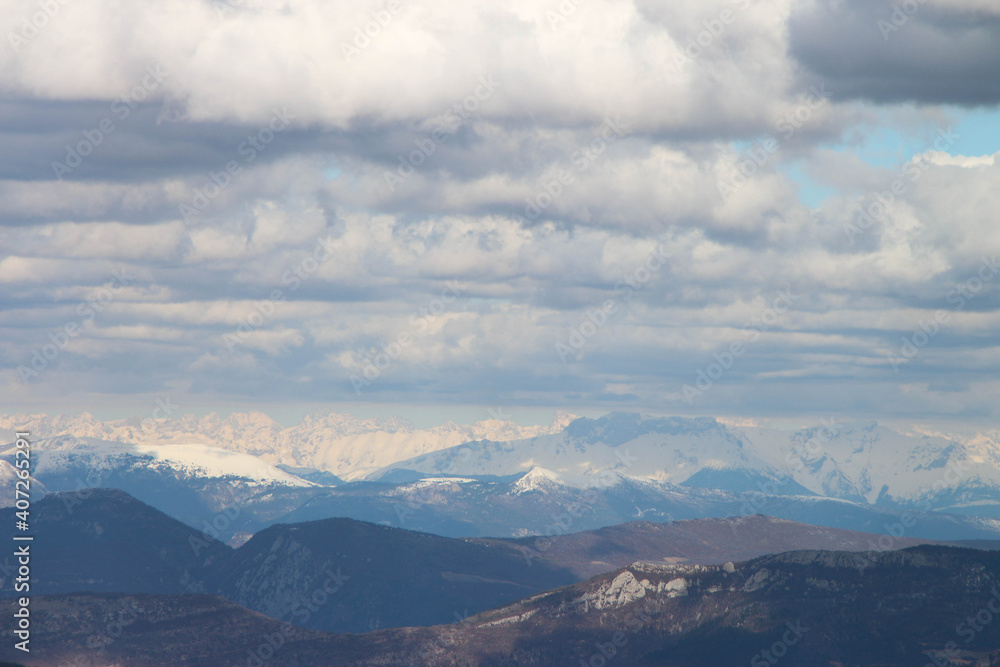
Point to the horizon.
(417, 418)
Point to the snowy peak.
(347, 446)
(874, 463)
(859, 462)
(667, 450)
(537, 480)
(863, 462)
(57, 455)
(205, 461)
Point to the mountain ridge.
(325, 440)
(911, 607)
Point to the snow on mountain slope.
(866, 463)
(207, 461)
(347, 446)
(874, 463)
(984, 446)
(362, 451)
(667, 450)
(537, 480)
(8, 485)
(53, 456)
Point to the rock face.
(626, 588)
(621, 590)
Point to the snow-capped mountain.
(668, 450)
(538, 480)
(346, 446)
(867, 463)
(878, 465)
(57, 456)
(617, 468)
(225, 493)
(542, 502)
(230, 496)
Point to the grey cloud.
(895, 51)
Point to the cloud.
(479, 184)
(891, 52)
(610, 56)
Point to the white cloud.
(607, 56)
(527, 281)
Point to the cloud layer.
(551, 204)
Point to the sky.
(767, 208)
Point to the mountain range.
(233, 495)
(341, 444)
(863, 463)
(859, 462)
(925, 605)
(104, 540)
(540, 502)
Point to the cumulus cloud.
(492, 204)
(317, 59)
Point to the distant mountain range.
(341, 444)
(863, 463)
(804, 608)
(232, 496)
(541, 503)
(589, 474)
